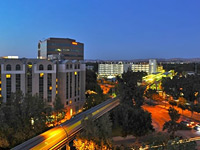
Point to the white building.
(106, 69)
(152, 66)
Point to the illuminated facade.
(45, 78)
(63, 48)
(152, 66)
(139, 67)
(106, 69)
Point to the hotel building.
(47, 78)
(65, 48)
(106, 69)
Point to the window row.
(18, 67)
(69, 66)
(9, 68)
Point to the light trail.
(56, 136)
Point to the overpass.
(59, 137)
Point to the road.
(160, 116)
(55, 137)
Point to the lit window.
(41, 74)
(50, 88)
(56, 80)
(70, 101)
(71, 112)
(74, 43)
(0, 95)
(0, 89)
(75, 73)
(56, 86)
(0, 82)
(29, 65)
(56, 92)
(8, 76)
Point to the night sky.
(110, 29)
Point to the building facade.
(64, 48)
(139, 67)
(45, 78)
(153, 67)
(106, 69)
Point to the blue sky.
(110, 29)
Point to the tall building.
(63, 48)
(152, 66)
(46, 78)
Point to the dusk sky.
(110, 29)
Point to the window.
(67, 84)
(49, 85)
(8, 88)
(70, 85)
(18, 67)
(41, 67)
(66, 102)
(78, 76)
(70, 66)
(29, 78)
(8, 67)
(49, 67)
(18, 82)
(41, 86)
(67, 66)
(75, 82)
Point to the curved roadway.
(58, 136)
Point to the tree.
(91, 80)
(129, 91)
(136, 122)
(172, 126)
(172, 86)
(1, 101)
(173, 103)
(96, 134)
(129, 115)
(149, 93)
(58, 109)
(21, 118)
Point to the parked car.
(198, 124)
(197, 128)
(186, 123)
